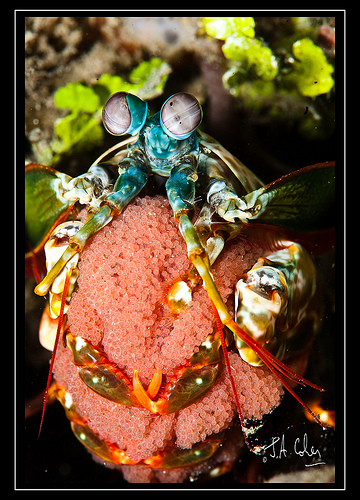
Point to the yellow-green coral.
(311, 72)
(284, 78)
(77, 97)
(223, 27)
(252, 57)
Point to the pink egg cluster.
(126, 271)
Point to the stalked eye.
(124, 113)
(180, 115)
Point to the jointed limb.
(132, 179)
(181, 193)
(221, 194)
(180, 188)
(196, 256)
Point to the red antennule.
(274, 365)
(58, 331)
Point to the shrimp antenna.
(274, 365)
(228, 368)
(277, 367)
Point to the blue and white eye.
(124, 113)
(180, 115)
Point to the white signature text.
(301, 447)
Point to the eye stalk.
(124, 113)
(180, 115)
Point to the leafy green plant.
(223, 27)
(287, 77)
(251, 60)
(249, 57)
(81, 128)
(311, 73)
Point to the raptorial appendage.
(276, 303)
(132, 179)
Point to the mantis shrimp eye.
(124, 113)
(180, 115)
